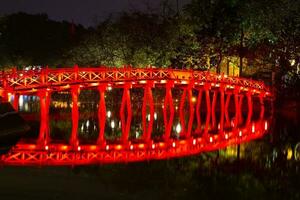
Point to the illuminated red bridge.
(218, 94)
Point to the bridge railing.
(28, 79)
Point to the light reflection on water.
(283, 135)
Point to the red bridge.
(212, 88)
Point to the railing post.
(75, 116)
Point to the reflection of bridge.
(209, 88)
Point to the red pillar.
(188, 90)
(168, 102)
(191, 109)
(198, 107)
(213, 110)
(3, 95)
(237, 108)
(16, 102)
(125, 120)
(4, 91)
(208, 109)
(44, 135)
(226, 109)
(148, 100)
(250, 110)
(262, 105)
(240, 119)
(75, 116)
(181, 112)
(222, 111)
(101, 115)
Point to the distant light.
(137, 134)
(253, 128)
(107, 147)
(194, 99)
(240, 133)
(184, 82)
(87, 123)
(226, 136)
(153, 146)
(131, 147)
(266, 125)
(108, 114)
(178, 128)
(46, 147)
(109, 88)
(148, 117)
(173, 144)
(112, 124)
(293, 61)
(155, 116)
(21, 101)
(78, 148)
(194, 141)
(210, 139)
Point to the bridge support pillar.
(213, 110)
(16, 102)
(125, 120)
(208, 109)
(101, 115)
(227, 101)
(168, 120)
(250, 107)
(148, 99)
(186, 131)
(44, 135)
(262, 105)
(222, 111)
(198, 114)
(75, 116)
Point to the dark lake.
(267, 167)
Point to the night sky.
(85, 12)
